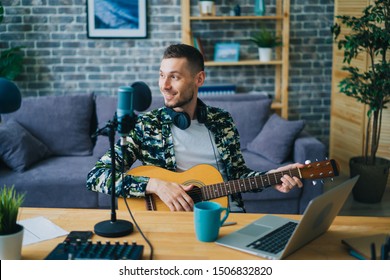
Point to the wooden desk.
(172, 234)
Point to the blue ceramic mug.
(207, 220)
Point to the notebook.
(316, 220)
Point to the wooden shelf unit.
(282, 22)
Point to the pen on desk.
(355, 254)
(373, 251)
(229, 224)
(384, 252)
(388, 247)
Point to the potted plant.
(266, 41)
(207, 8)
(369, 35)
(11, 233)
(11, 60)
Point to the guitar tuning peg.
(307, 161)
(332, 179)
(317, 159)
(314, 183)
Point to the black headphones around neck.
(183, 121)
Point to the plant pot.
(372, 181)
(265, 54)
(11, 245)
(207, 8)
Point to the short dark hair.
(193, 55)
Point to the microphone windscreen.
(10, 97)
(125, 101)
(142, 96)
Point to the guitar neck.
(248, 184)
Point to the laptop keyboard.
(276, 240)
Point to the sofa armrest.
(307, 147)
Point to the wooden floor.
(354, 208)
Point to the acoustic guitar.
(210, 186)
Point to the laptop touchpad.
(254, 230)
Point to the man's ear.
(200, 78)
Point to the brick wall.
(61, 59)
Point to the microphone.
(137, 96)
(124, 111)
(10, 97)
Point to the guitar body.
(200, 176)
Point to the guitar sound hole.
(196, 194)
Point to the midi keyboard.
(96, 251)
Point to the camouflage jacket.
(151, 143)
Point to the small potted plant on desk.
(11, 233)
(369, 36)
(266, 41)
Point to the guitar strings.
(211, 191)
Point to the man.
(180, 135)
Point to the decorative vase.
(207, 8)
(265, 54)
(237, 10)
(11, 245)
(372, 181)
(259, 8)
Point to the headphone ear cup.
(180, 119)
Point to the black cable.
(139, 229)
(128, 208)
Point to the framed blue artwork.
(116, 19)
(226, 52)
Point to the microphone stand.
(112, 227)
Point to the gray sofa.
(47, 149)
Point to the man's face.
(177, 83)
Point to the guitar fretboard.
(247, 184)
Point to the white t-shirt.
(195, 145)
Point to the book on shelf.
(217, 89)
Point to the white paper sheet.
(39, 229)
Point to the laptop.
(275, 237)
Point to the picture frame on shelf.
(227, 52)
(109, 19)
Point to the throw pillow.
(276, 139)
(19, 148)
(62, 123)
(249, 116)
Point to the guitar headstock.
(320, 169)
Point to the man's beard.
(181, 103)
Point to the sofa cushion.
(62, 123)
(55, 182)
(249, 116)
(276, 139)
(19, 149)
